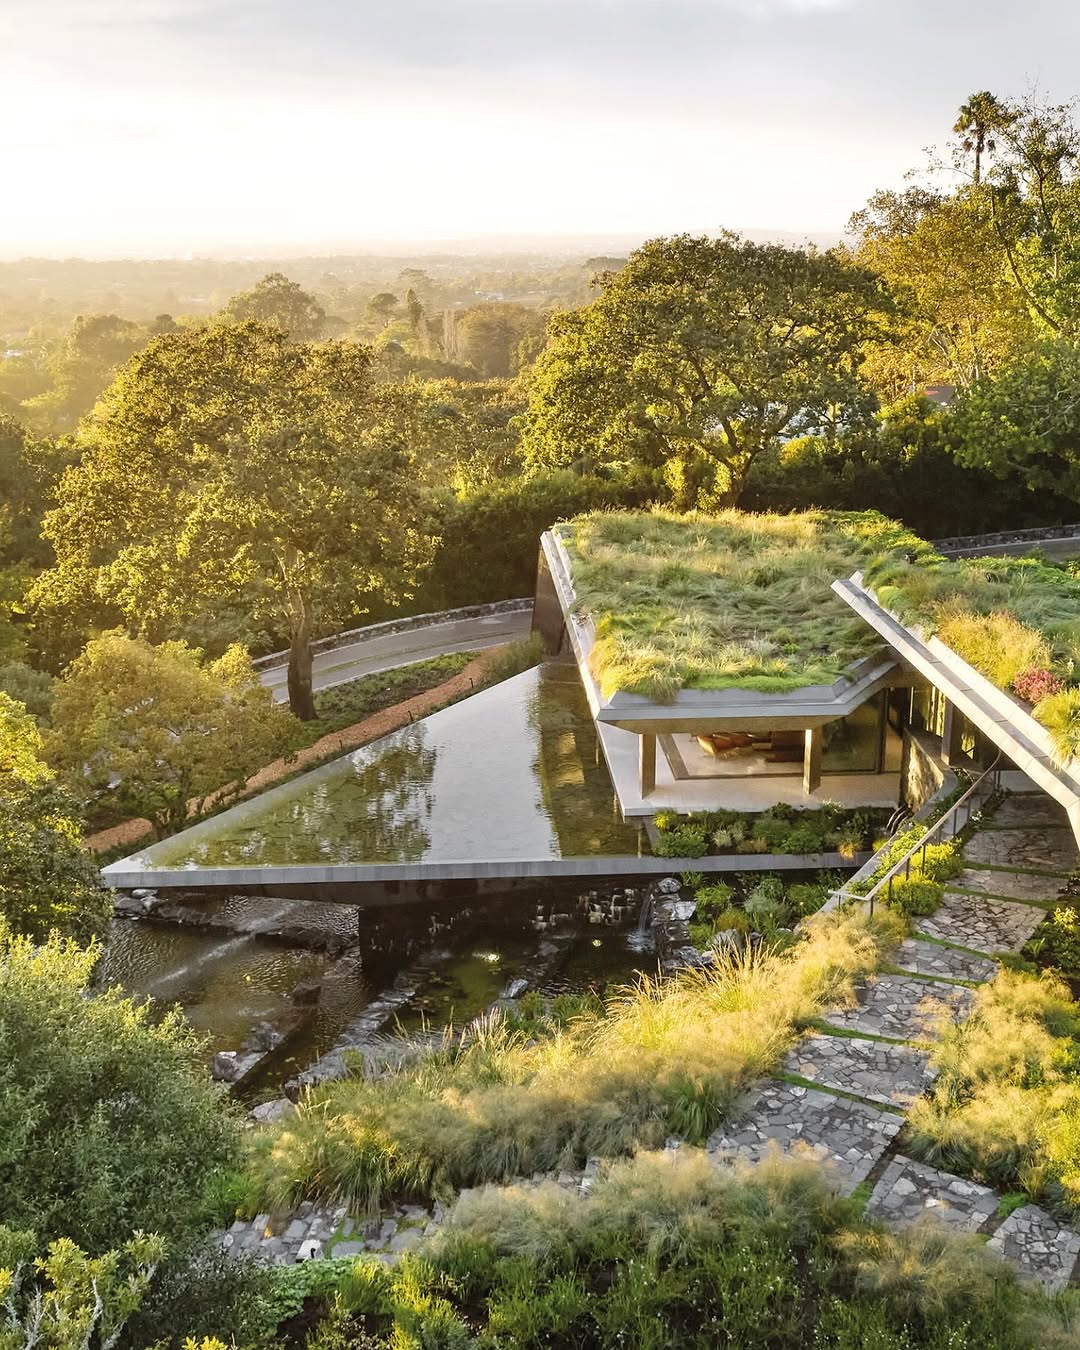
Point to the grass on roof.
(732, 600)
(939, 592)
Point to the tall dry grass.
(665, 1057)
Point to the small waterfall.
(645, 914)
(262, 922)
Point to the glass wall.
(853, 744)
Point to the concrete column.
(811, 774)
(647, 763)
(951, 750)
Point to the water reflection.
(513, 772)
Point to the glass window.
(852, 744)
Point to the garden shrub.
(802, 839)
(807, 897)
(1060, 715)
(772, 831)
(1057, 939)
(673, 1251)
(110, 1122)
(998, 645)
(666, 820)
(916, 894)
(940, 862)
(713, 899)
(1036, 684)
(683, 841)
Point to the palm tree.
(979, 117)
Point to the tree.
(47, 881)
(962, 316)
(229, 465)
(980, 115)
(1032, 188)
(380, 307)
(706, 349)
(80, 367)
(281, 303)
(490, 335)
(110, 1123)
(161, 729)
(1026, 422)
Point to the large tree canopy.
(963, 316)
(1026, 422)
(710, 349)
(227, 464)
(283, 303)
(162, 726)
(47, 881)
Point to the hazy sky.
(157, 127)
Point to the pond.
(410, 968)
(515, 772)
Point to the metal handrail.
(965, 804)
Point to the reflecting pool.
(514, 772)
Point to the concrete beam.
(647, 763)
(952, 751)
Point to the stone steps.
(1037, 1247)
(1033, 888)
(903, 1007)
(878, 1071)
(1047, 849)
(908, 1192)
(849, 1135)
(983, 923)
(944, 963)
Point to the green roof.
(732, 600)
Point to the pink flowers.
(1035, 684)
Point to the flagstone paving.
(1028, 809)
(1033, 886)
(877, 1070)
(908, 1192)
(850, 1135)
(1038, 1247)
(929, 958)
(1049, 849)
(981, 923)
(902, 1006)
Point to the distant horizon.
(168, 129)
(557, 244)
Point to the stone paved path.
(946, 963)
(908, 1191)
(1039, 888)
(876, 1070)
(981, 923)
(903, 1006)
(1038, 1247)
(1048, 849)
(850, 1135)
(1028, 809)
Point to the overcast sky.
(169, 127)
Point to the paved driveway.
(402, 649)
